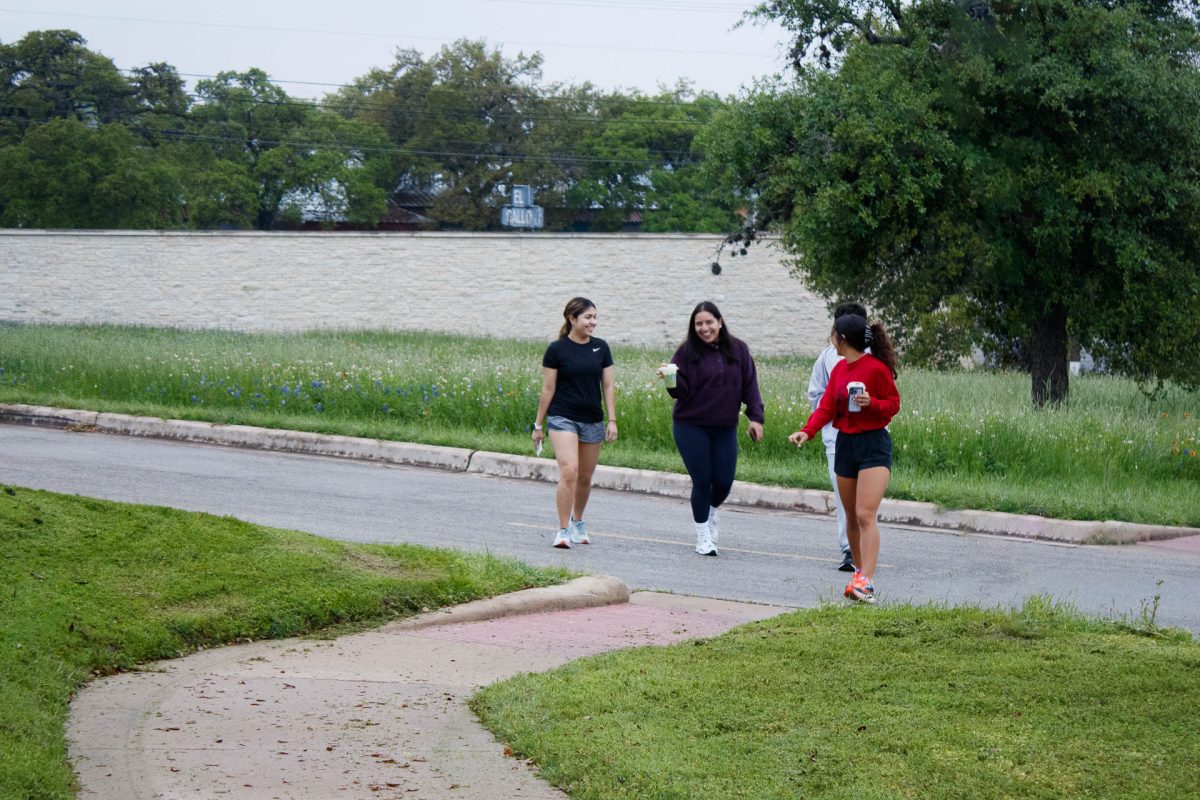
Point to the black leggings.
(710, 455)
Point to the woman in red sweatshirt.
(863, 460)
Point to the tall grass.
(965, 439)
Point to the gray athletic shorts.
(588, 432)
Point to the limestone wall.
(497, 284)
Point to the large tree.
(1023, 172)
(638, 153)
(294, 156)
(52, 75)
(468, 123)
(65, 174)
(462, 123)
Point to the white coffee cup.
(854, 388)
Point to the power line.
(402, 36)
(500, 156)
(467, 114)
(510, 156)
(447, 89)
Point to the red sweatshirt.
(835, 404)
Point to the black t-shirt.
(577, 391)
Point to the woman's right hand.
(798, 438)
(538, 435)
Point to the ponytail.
(881, 346)
(863, 336)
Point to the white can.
(854, 388)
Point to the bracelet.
(537, 427)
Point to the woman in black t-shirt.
(576, 369)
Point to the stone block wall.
(494, 284)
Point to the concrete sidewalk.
(380, 714)
(902, 512)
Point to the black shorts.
(858, 451)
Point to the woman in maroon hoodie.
(860, 400)
(716, 376)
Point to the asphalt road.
(774, 557)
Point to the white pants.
(829, 439)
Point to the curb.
(586, 592)
(458, 459)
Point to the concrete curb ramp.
(901, 512)
(586, 592)
(379, 714)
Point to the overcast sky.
(611, 43)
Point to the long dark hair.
(575, 307)
(856, 332)
(694, 346)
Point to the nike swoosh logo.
(595, 349)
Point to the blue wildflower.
(435, 391)
(317, 384)
(320, 407)
(385, 408)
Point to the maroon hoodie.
(710, 391)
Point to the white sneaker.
(712, 525)
(562, 539)
(578, 534)
(704, 542)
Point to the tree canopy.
(994, 174)
(468, 124)
(462, 126)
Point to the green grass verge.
(863, 703)
(89, 587)
(963, 439)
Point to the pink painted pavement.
(1184, 544)
(588, 631)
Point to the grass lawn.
(863, 703)
(89, 587)
(962, 439)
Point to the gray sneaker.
(578, 534)
(563, 539)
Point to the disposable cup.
(854, 388)
(670, 374)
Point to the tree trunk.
(1048, 357)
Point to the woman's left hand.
(610, 432)
(755, 431)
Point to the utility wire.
(399, 36)
(505, 156)
(394, 110)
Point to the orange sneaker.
(860, 589)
